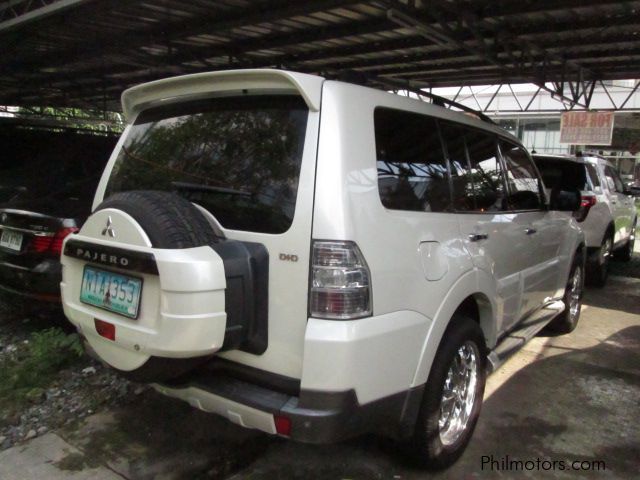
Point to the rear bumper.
(316, 417)
(358, 378)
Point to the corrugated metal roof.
(86, 52)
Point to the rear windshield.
(558, 173)
(238, 157)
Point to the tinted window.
(593, 175)
(461, 178)
(522, 179)
(485, 171)
(238, 157)
(563, 174)
(412, 172)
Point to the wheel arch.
(473, 294)
(610, 231)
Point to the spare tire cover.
(170, 222)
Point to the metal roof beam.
(528, 50)
(172, 32)
(41, 13)
(434, 56)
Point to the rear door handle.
(530, 231)
(476, 237)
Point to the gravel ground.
(73, 393)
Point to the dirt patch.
(75, 462)
(45, 380)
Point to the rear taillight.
(56, 244)
(51, 244)
(586, 202)
(41, 244)
(340, 281)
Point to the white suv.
(607, 214)
(316, 259)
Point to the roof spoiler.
(140, 97)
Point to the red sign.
(586, 128)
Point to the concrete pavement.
(50, 457)
(561, 399)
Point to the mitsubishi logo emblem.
(108, 229)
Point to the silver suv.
(607, 214)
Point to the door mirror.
(565, 200)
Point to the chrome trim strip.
(37, 233)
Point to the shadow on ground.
(578, 405)
(19, 317)
(627, 269)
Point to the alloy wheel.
(459, 393)
(575, 293)
(605, 252)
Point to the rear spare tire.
(170, 222)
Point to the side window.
(593, 176)
(522, 179)
(485, 172)
(461, 179)
(613, 179)
(412, 172)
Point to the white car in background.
(607, 215)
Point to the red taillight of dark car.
(51, 244)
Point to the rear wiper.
(197, 187)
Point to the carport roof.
(85, 52)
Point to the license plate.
(111, 291)
(11, 240)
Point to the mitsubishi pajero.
(316, 259)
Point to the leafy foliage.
(96, 121)
(32, 369)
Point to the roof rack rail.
(589, 153)
(435, 99)
(361, 78)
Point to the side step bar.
(525, 331)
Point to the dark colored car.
(50, 178)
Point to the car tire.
(626, 252)
(599, 262)
(169, 221)
(567, 321)
(436, 442)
